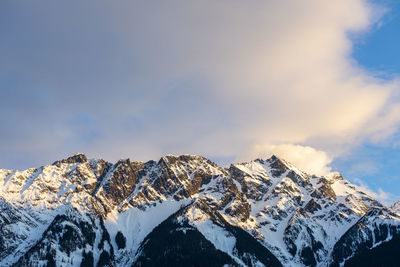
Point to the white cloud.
(305, 158)
(381, 195)
(217, 78)
(282, 71)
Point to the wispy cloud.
(385, 197)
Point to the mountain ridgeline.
(188, 211)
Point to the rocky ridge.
(79, 211)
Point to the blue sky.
(316, 84)
(376, 50)
(378, 166)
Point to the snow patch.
(136, 224)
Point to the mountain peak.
(396, 206)
(173, 159)
(77, 158)
(273, 158)
(333, 176)
(278, 165)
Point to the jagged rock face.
(77, 158)
(86, 212)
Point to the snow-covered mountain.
(188, 211)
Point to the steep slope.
(197, 235)
(376, 233)
(302, 215)
(300, 218)
(71, 239)
(15, 227)
(395, 207)
(385, 254)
